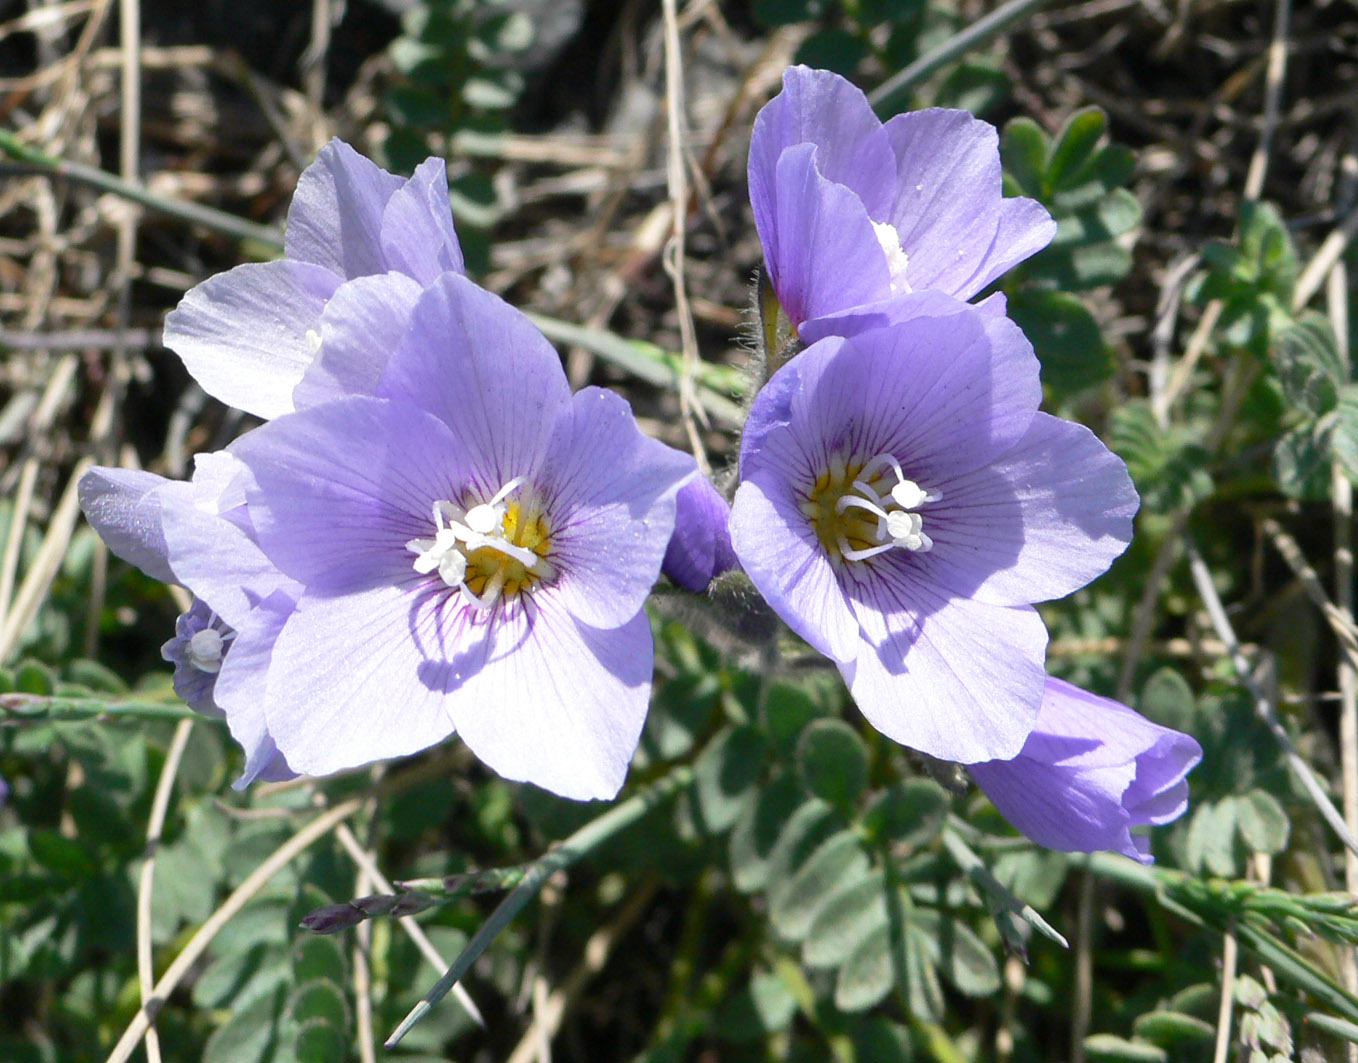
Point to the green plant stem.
(587, 838)
(651, 363)
(979, 32)
(26, 708)
(217, 220)
(1004, 906)
(1285, 961)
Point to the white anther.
(313, 340)
(483, 519)
(452, 568)
(205, 650)
(898, 525)
(909, 495)
(896, 259)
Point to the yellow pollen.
(522, 526)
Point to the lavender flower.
(852, 212)
(361, 243)
(903, 503)
(700, 549)
(1090, 771)
(199, 535)
(473, 547)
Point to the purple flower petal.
(362, 323)
(951, 677)
(248, 335)
(838, 198)
(242, 687)
(417, 234)
(782, 556)
(952, 392)
(1091, 770)
(700, 549)
(335, 220)
(193, 683)
(823, 110)
(612, 508)
(340, 488)
(902, 505)
(346, 681)
(1039, 523)
(820, 247)
(946, 206)
(123, 505)
(558, 703)
(484, 369)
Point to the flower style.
(190, 534)
(903, 503)
(1090, 771)
(852, 212)
(700, 549)
(360, 245)
(473, 546)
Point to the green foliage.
(454, 75)
(849, 35)
(1253, 277)
(1168, 466)
(1078, 178)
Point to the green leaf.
(1268, 247)
(315, 958)
(773, 13)
(66, 857)
(1065, 336)
(1174, 1030)
(793, 903)
(1023, 147)
(1301, 462)
(758, 830)
(1309, 364)
(922, 990)
(1344, 436)
(248, 1034)
(844, 920)
(1168, 700)
(1211, 835)
(801, 836)
(1111, 1047)
(763, 1006)
(962, 958)
(1116, 213)
(725, 776)
(972, 86)
(787, 710)
(833, 49)
(318, 1042)
(1262, 822)
(1074, 144)
(34, 677)
(880, 1040)
(833, 762)
(319, 999)
(866, 976)
(1078, 269)
(909, 813)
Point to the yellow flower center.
(860, 509)
(491, 551)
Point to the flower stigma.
(491, 551)
(206, 649)
(857, 511)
